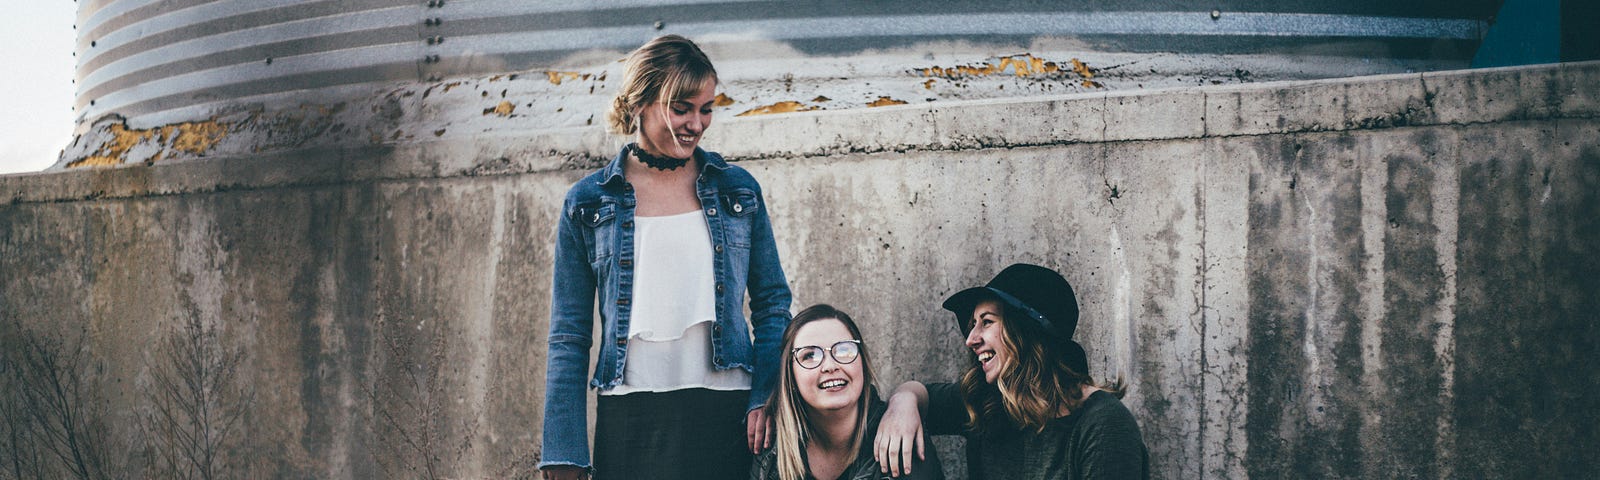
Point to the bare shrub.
(196, 403)
(55, 423)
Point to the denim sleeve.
(566, 436)
(769, 305)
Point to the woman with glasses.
(825, 406)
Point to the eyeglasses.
(844, 352)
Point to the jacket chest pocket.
(599, 229)
(739, 209)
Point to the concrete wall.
(1370, 277)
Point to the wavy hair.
(663, 70)
(788, 409)
(1031, 389)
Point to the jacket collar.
(612, 173)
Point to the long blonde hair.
(665, 69)
(788, 409)
(1032, 388)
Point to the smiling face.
(987, 339)
(673, 129)
(831, 386)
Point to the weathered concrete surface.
(1371, 277)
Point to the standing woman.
(1027, 405)
(668, 238)
(826, 406)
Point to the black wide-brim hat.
(1044, 298)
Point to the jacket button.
(719, 248)
(738, 208)
(596, 218)
(719, 288)
(712, 211)
(716, 329)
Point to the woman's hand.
(758, 430)
(900, 431)
(564, 472)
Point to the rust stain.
(189, 137)
(885, 101)
(723, 100)
(1082, 69)
(928, 85)
(1021, 65)
(557, 77)
(1092, 84)
(504, 109)
(787, 106)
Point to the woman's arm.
(566, 414)
(900, 432)
(769, 316)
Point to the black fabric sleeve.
(947, 414)
(1111, 446)
(929, 469)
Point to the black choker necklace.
(658, 163)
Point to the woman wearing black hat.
(1027, 405)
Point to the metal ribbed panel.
(138, 57)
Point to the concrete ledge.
(1439, 98)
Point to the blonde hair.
(1031, 389)
(789, 409)
(669, 64)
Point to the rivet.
(738, 208)
(660, 25)
(712, 211)
(1216, 14)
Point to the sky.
(36, 51)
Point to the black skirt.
(683, 434)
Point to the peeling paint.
(928, 85)
(787, 106)
(557, 77)
(504, 109)
(111, 153)
(195, 137)
(1021, 65)
(724, 100)
(820, 99)
(1082, 69)
(885, 101)
(190, 137)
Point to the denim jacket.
(594, 258)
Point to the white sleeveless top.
(674, 305)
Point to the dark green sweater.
(865, 467)
(1098, 441)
